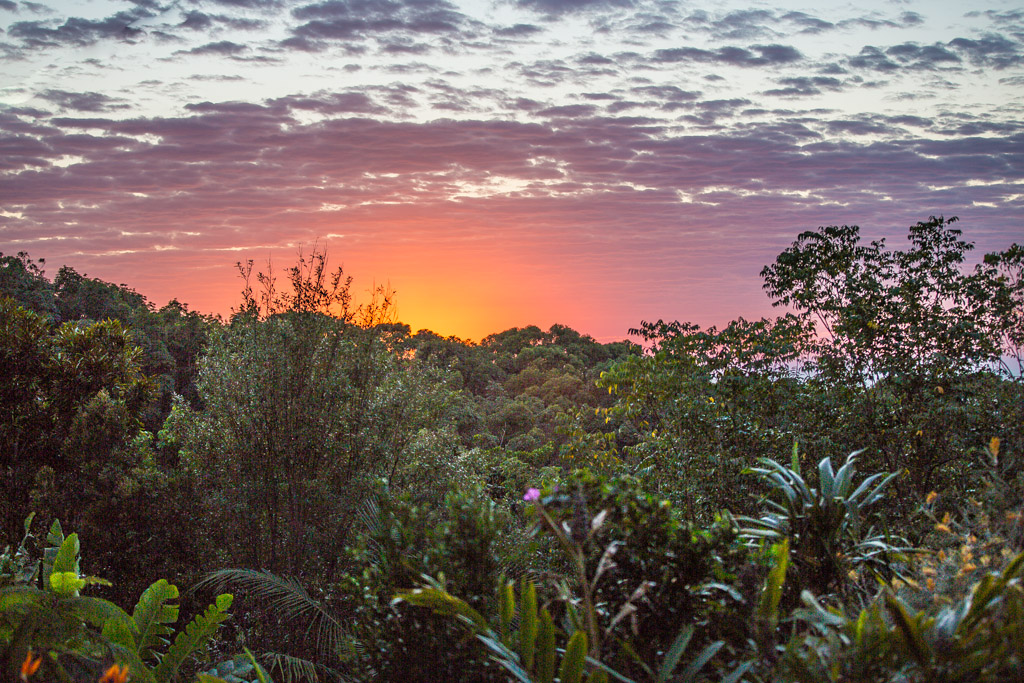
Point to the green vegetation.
(836, 494)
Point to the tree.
(71, 398)
(905, 340)
(704, 403)
(301, 410)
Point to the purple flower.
(532, 495)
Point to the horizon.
(593, 163)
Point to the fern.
(194, 637)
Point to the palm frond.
(292, 669)
(289, 599)
(373, 526)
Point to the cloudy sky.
(501, 162)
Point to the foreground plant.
(43, 611)
(979, 638)
(526, 644)
(825, 524)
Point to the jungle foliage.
(834, 494)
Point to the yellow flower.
(30, 665)
(930, 582)
(931, 498)
(943, 527)
(115, 674)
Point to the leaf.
(528, 626)
(153, 616)
(288, 599)
(444, 603)
(772, 593)
(118, 632)
(97, 611)
(260, 673)
(571, 669)
(506, 609)
(505, 657)
(690, 672)
(675, 653)
(66, 558)
(546, 648)
(66, 583)
(734, 677)
(909, 629)
(193, 637)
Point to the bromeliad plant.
(825, 524)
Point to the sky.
(593, 163)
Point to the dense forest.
(311, 491)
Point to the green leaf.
(195, 636)
(506, 609)
(118, 632)
(444, 603)
(153, 618)
(505, 657)
(97, 611)
(571, 669)
(527, 623)
(61, 555)
(909, 628)
(546, 648)
(66, 583)
(675, 653)
(260, 673)
(690, 672)
(772, 593)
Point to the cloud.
(249, 4)
(800, 86)
(80, 32)
(757, 55)
(518, 31)
(82, 101)
(331, 103)
(344, 20)
(992, 50)
(195, 20)
(922, 56)
(561, 7)
(221, 47)
(808, 23)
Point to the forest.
(308, 490)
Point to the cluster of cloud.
(666, 139)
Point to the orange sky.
(593, 163)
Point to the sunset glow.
(588, 162)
